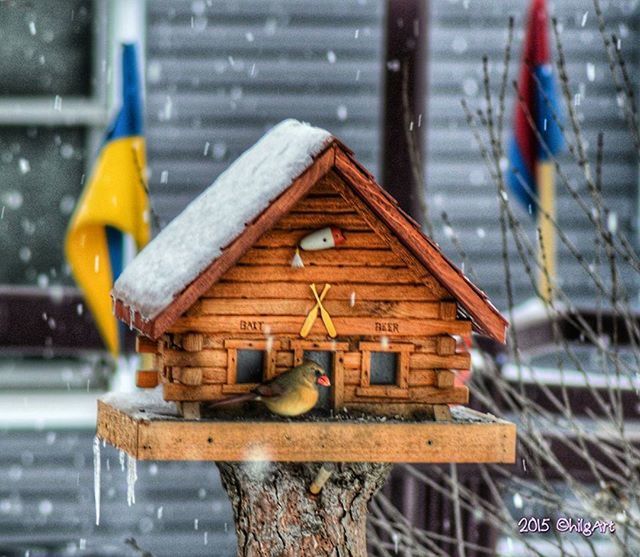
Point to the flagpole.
(545, 180)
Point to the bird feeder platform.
(148, 428)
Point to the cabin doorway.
(326, 359)
(330, 356)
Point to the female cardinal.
(292, 393)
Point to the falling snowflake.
(24, 166)
(517, 501)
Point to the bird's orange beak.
(324, 381)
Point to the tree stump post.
(276, 515)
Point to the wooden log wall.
(374, 295)
(202, 375)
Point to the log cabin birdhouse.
(295, 253)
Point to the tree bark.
(276, 515)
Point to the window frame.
(401, 387)
(269, 362)
(91, 112)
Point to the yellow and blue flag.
(114, 203)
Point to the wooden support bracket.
(442, 413)
(191, 410)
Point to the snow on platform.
(150, 429)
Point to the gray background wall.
(47, 504)
(224, 77)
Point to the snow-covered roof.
(215, 230)
(196, 238)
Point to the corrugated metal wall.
(47, 504)
(220, 74)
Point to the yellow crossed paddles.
(326, 318)
(313, 314)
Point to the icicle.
(96, 476)
(132, 476)
(206, 538)
(132, 317)
(159, 512)
(195, 523)
(121, 459)
(352, 299)
(297, 262)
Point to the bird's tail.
(235, 399)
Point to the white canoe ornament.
(325, 238)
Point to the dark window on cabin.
(250, 366)
(325, 359)
(384, 368)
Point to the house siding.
(457, 179)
